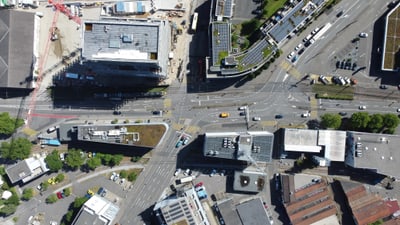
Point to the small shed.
(6, 195)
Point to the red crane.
(59, 6)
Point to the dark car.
(157, 112)
(383, 86)
(117, 112)
(343, 113)
(300, 51)
(278, 116)
(172, 188)
(339, 14)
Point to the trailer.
(185, 180)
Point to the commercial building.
(249, 181)
(96, 211)
(27, 169)
(308, 200)
(19, 40)
(252, 211)
(328, 145)
(375, 152)
(128, 50)
(129, 134)
(368, 208)
(183, 209)
(391, 58)
(251, 146)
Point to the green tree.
(249, 26)
(45, 185)
(69, 216)
(359, 120)
(27, 194)
(53, 161)
(79, 202)
(116, 160)
(19, 148)
(51, 199)
(2, 171)
(60, 177)
(106, 158)
(67, 191)
(375, 123)
(123, 174)
(13, 200)
(330, 120)
(132, 176)
(74, 159)
(390, 120)
(94, 162)
(8, 124)
(8, 209)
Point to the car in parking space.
(102, 192)
(179, 144)
(157, 112)
(177, 172)
(213, 172)
(343, 113)
(398, 110)
(242, 113)
(291, 55)
(256, 118)
(315, 31)
(187, 172)
(117, 112)
(294, 59)
(382, 86)
(298, 47)
(278, 116)
(363, 35)
(198, 184)
(242, 107)
(300, 51)
(173, 189)
(113, 175)
(186, 140)
(362, 107)
(59, 195)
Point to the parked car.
(315, 31)
(242, 107)
(298, 47)
(102, 192)
(362, 107)
(213, 172)
(179, 144)
(224, 115)
(363, 35)
(59, 195)
(199, 184)
(290, 55)
(382, 86)
(177, 172)
(256, 118)
(278, 116)
(173, 189)
(343, 113)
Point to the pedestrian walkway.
(290, 69)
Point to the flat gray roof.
(228, 212)
(249, 181)
(137, 41)
(16, 48)
(314, 141)
(18, 171)
(293, 19)
(246, 146)
(221, 40)
(378, 152)
(253, 212)
(86, 217)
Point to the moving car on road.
(363, 35)
(224, 115)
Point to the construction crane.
(60, 7)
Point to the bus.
(194, 21)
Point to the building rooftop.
(146, 43)
(17, 34)
(246, 146)
(249, 181)
(186, 209)
(221, 41)
(377, 152)
(366, 207)
(329, 142)
(293, 19)
(228, 212)
(131, 134)
(309, 204)
(27, 169)
(253, 212)
(96, 211)
(390, 59)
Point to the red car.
(59, 195)
(198, 185)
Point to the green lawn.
(272, 6)
(333, 91)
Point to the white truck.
(185, 179)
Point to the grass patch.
(333, 92)
(221, 56)
(149, 135)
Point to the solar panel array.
(224, 8)
(221, 41)
(255, 55)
